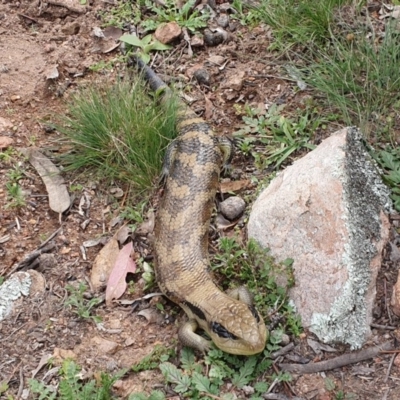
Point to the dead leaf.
(147, 226)
(152, 316)
(123, 234)
(5, 142)
(103, 264)
(208, 108)
(116, 284)
(234, 186)
(43, 361)
(59, 199)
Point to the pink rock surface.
(326, 212)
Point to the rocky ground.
(46, 51)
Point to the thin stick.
(389, 367)
(337, 362)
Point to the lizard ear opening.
(221, 331)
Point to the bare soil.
(46, 49)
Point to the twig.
(337, 362)
(387, 327)
(282, 351)
(67, 6)
(21, 383)
(30, 18)
(389, 367)
(52, 236)
(278, 396)
(31, 257)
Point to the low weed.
(252, 266)
(186, 16)
(389, 161)
(273, 139)
(79, 305)
(119, 132)
(207, 380)
(299, 22)
(359, 77)
(123, 13)
(15, 194)
(338, 394)
(72, 388)
(144, 45)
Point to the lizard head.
(238, 329)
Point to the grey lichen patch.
(11, 290)
(365, 197)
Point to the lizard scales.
(191, 170)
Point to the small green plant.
(185, 16)
(122, 14)
(79, 305)
(119, 132)
(15, 195)
(71, 387)
(246, 14)
(145, 45)
(339, 394)
(1, 280)
(389, 160)
(252, 266)
(272, 139)
(153, 360)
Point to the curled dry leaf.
(235, 186)
(147, 226)
(116, 284)
(152, 316)
(103, 264)
(59, 199)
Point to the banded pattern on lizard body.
(191, 170)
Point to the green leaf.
(394, 176)
(245, 372)
(261, 387)
(203, 384)
(147, 39)
(187, 358)
(330, 384)
(157, 46)
(132, 40)
(389, 161)
(174, 375)
(3, 387)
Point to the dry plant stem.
(67, 6)
(284, 350)
(30, 258)
(278, 396)
(389, 367)
(387, 327)
(338, 362)
(21, 383)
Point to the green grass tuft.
(299, 22)
(119, 132)
(361, 78)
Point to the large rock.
(327, 212)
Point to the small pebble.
(232, 208)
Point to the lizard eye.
(221, 331)
(255, 313)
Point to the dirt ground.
(46, 49)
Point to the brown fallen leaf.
(116, 284)
(59, 199)
(235, 186)
(5, 142)
(208, 108)
(103, 264)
